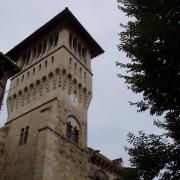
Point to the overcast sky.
(110, 115)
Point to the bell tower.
(55, 62)
(48, 99)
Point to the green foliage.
(152, 40)
(152, 153)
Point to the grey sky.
(110, 115)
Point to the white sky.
(110, 115)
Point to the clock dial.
(74, 99)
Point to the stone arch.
(73, 129)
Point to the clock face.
(74, 99)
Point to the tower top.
(64, 17)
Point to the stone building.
(7, 69)
(45, 136)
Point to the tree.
(151, 39)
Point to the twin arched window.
(72, 130)
(24, 135)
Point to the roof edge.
(63, 16)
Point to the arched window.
(24, 135)
(72, 130)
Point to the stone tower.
(55, 63)
(48, 100)
(45, 137)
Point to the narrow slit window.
(26, 135)
(56, 39)
(21, 136)
(34, 70)
(70, 39)
(46, 63)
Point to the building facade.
(45, 137)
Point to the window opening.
(46, 63)
(72, 130)
(26, 135)
(44, 47)
(52, 59)
(74, 44)
(28, 74)
(70, 40)
(56, 39)
(21, 136)
(34, 70)
(22, 77)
